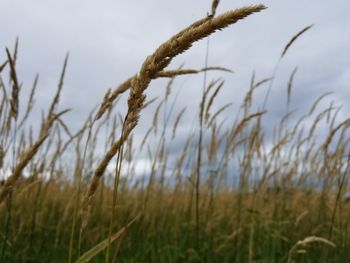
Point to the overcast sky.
(108, 41)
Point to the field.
(236, 189)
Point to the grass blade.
(87, 256)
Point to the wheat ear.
(151, 67)
(27, 156)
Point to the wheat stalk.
(27, 156)
(15, 87)
(293, 39)
(305, 242)
(154, 64)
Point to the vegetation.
(234, 193)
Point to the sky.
(109, 40)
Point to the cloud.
(109, 40)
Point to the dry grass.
(232, 193)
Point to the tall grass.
(233, 193)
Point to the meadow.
(232, 193)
